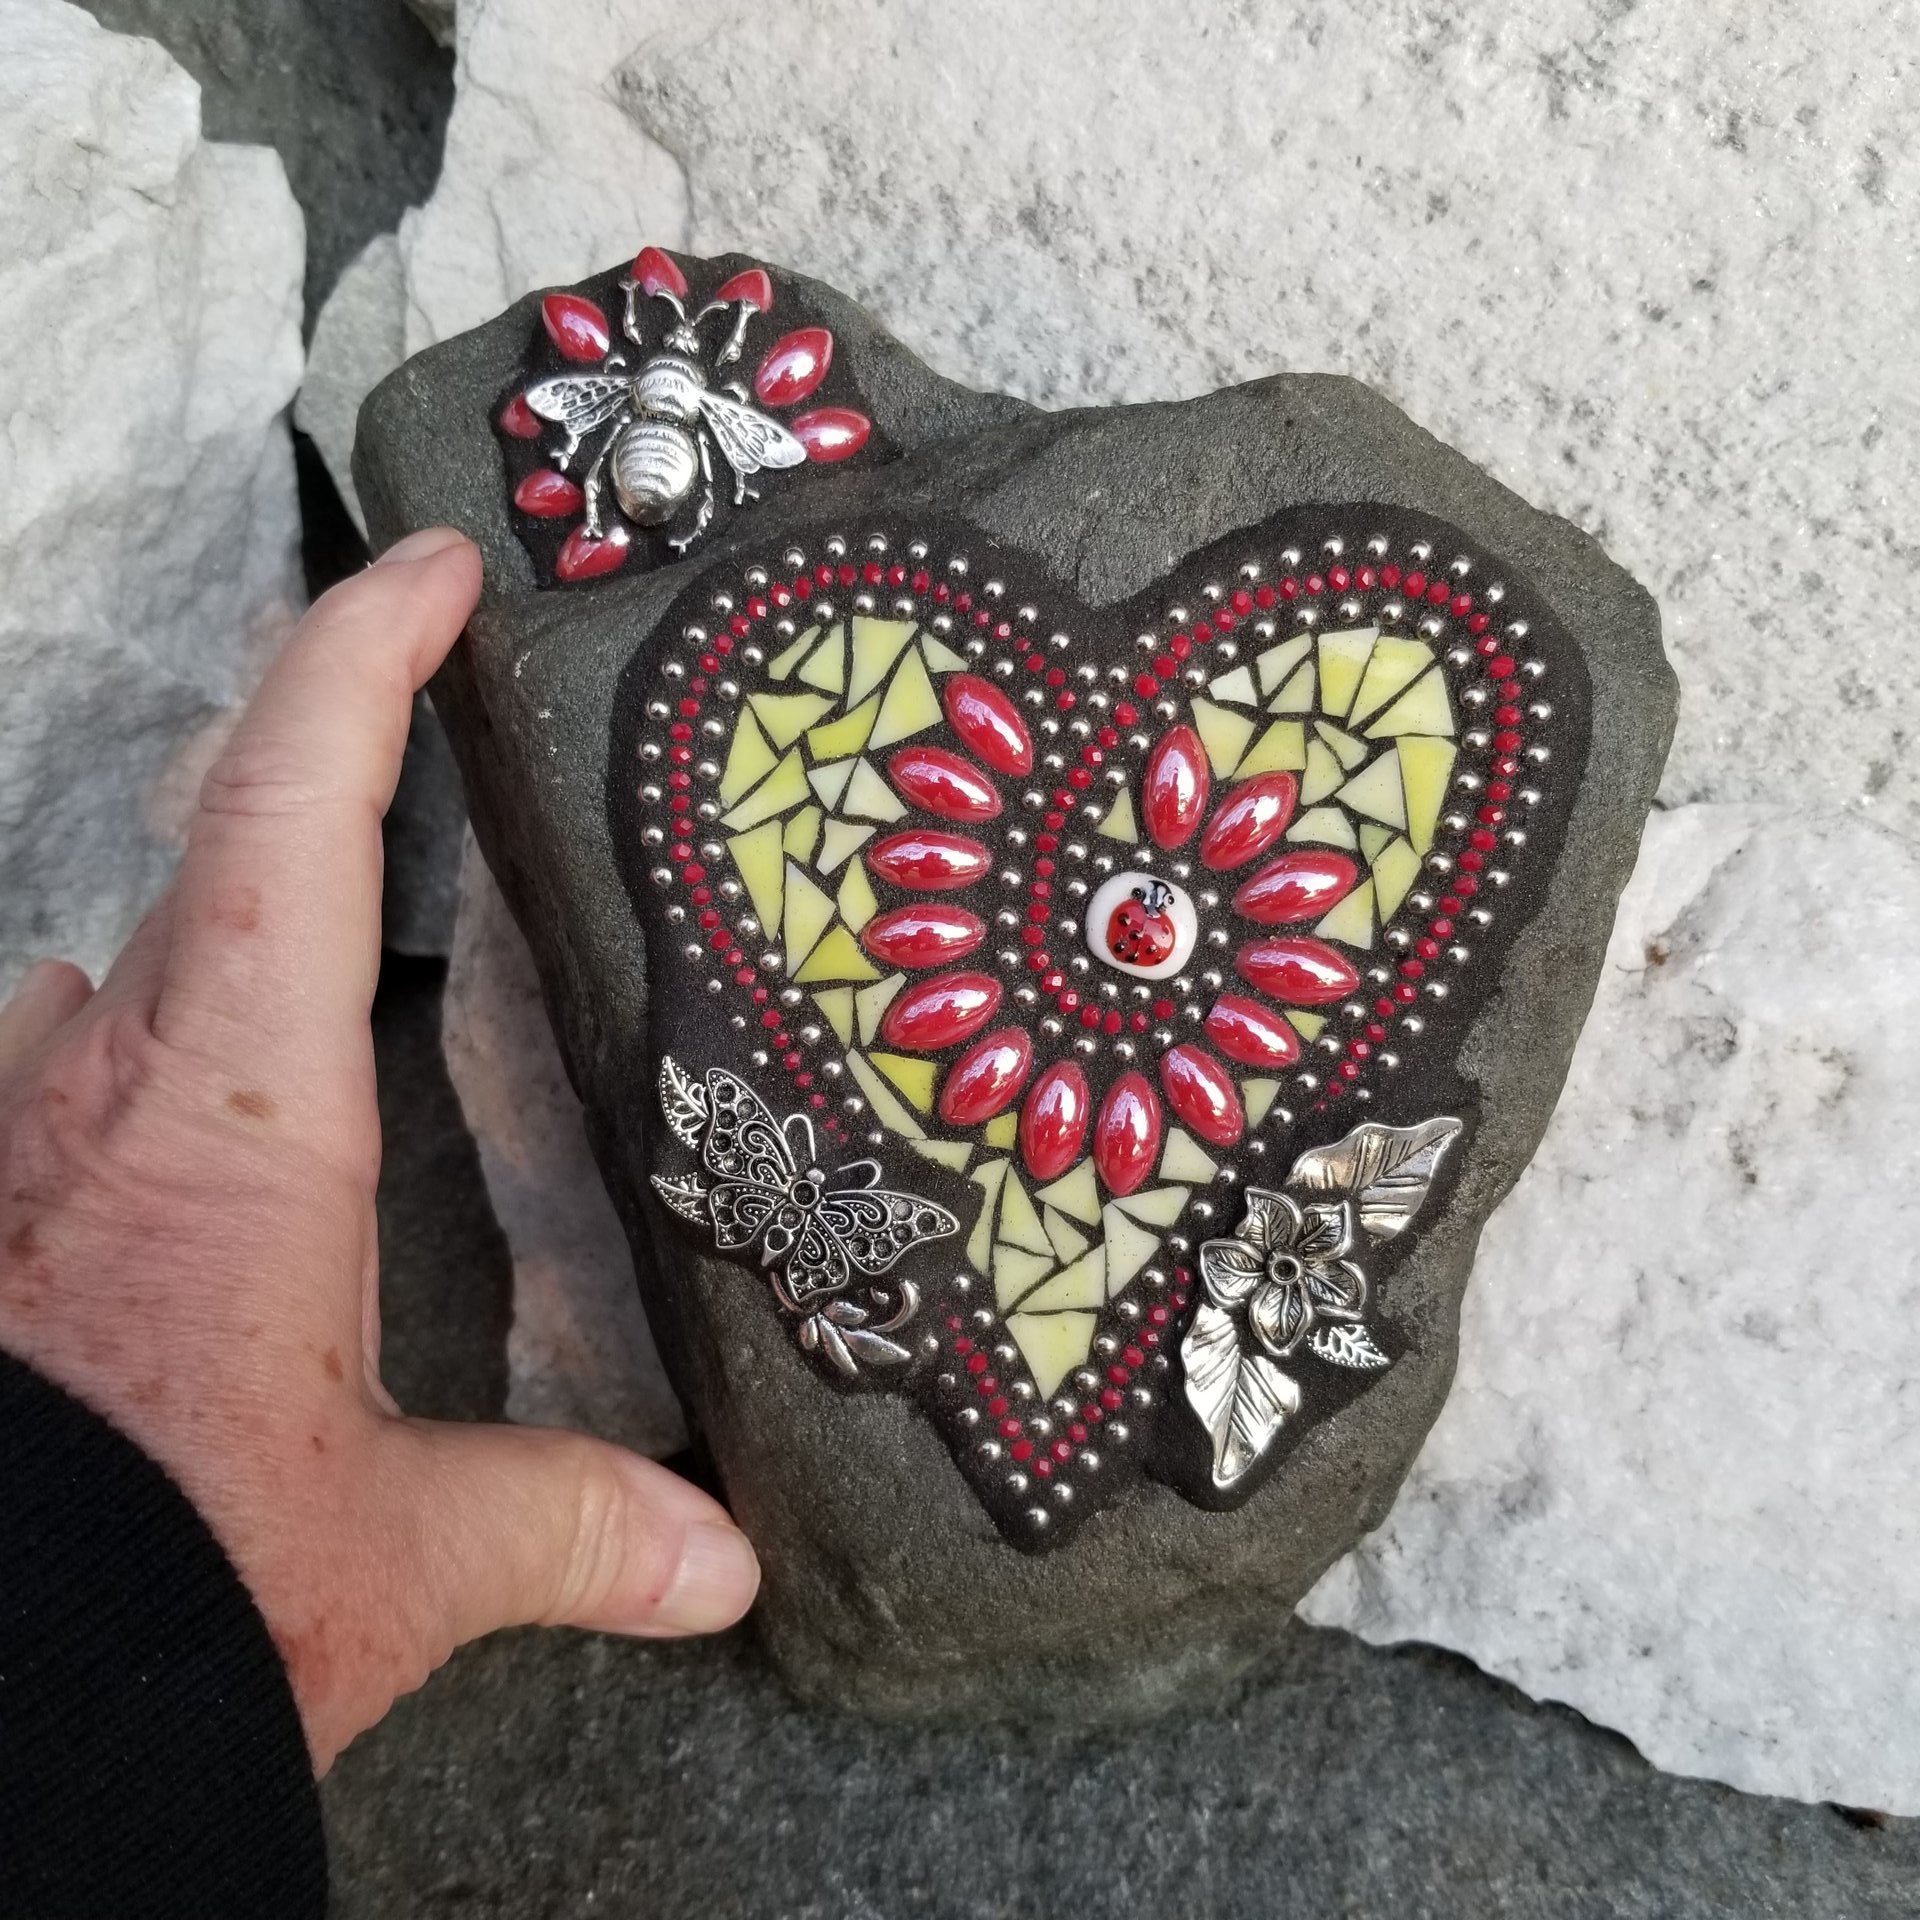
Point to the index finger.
(275, 946)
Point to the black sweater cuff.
(151, 1756)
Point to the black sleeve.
(151, 1757)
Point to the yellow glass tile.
(786, 786)
(1395, 663)
(1019, 1224)
(836, 1004)
(940, 657)
(951, 1154)
(1259, 1096)
(808, 912)
(872, 1002)
(1277, 665)
(830, 781)
(1423, 708)
(914, 1078)
(1236, 686)
(1425, 765)
(1344, 747)
(1069, 1243)
(1323, 827)
(1129, 1248)
(1343, 659)
(1298, 695)
(1183, 1160)
(1375, 791)
(749, 759)
(841, 838)
(837, 957)
(1373, 836)
(869, 795)
(784, 662)
(886, 1109)
(1281, 749)
(855, 899)
(826, 666)
(803, 830)
(1223, 734)
(1052, 1344)
(1157, 1206)
(1324, 773)
(987, 1176)
(1395, 868)
(848, 734)
(911, 705)
(1075, 1194)
(1306, 1025)
(1076, 1287)
(1351, 922)
(1016, 1273)
(760, 863)
(786, 716)
(876, 646)
(1120, 823)
(1002, 1130)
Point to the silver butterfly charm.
(818, 1233)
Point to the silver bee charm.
(665, 422)
(819, 1233)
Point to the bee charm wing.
(749, 439)
(578, 401)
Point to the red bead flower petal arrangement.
(1103, 936)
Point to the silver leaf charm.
(1386, 1170)
(1242, 1398)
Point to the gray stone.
(886, 1584)
(359, 338)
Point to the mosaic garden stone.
(1064, 925)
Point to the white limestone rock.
(1674, 1485)
(359, 337)
(580, 1353)
(149, 533)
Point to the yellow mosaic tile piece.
(1351, 922)
(836, 1007)
(837, 957)
(760, 863)
(1395, 868)
(1323, 827)
(1425, 766)
(1281, 749)
(1276, 667)
(1019, 1224)
(1076, 1194)
(1052, 1344)
(1350, 752)
(1069, 1243)
(870, 1003)
(1157, 1206)
(1324, 773)
(803, 832)
(1182, 1159)
(786, 786)
(940, 657)
(1299, 694)
(1423, 708)
(987, 1176)
(1073, 1288)
(886, 1109)
(913, 1077)
(876, 646)
(786, 716)
(1120, 823)
(1375, 791)
(848, 734)
(870, 795)
(749, 759)
(951, 1154)
(1259, 1096)
(1343, 660)
(784, 662)
(855, 898)
(1236, 686)
(1129, 1248)
(1395, 663)
(1016, 1273)
(1373, 836)
(841, 838)
(1306, 1025)
(1223, 734)
(808, 912)
(1002, 1130)
(826, 666)
(911, 705)
(830, 781)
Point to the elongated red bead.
(1249, 820)
(831, 433)
(988, 722)
(941, 1012)
(937, 781)
(576, 326)
(1201, 1091)
(1053, 1122)
(1173, 792)
(1298, 969)
(656, 272)
(548, 495)
(1126, 1137)
(986, 1077)
(582, 557)
(520, 420)
(793, 366)
(926, 933)
(1297, 886)
(752, 286)
(1254, 1035)
(929, 859)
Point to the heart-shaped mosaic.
(1060, 1006)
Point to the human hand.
(188, 1160)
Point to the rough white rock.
(580, 1353)
(149, 533)
(1674, 1486)
(359, 337)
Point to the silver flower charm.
(1285, 1276)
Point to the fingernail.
(420, 546)
(715, 1584)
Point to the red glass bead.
(1202, 1092)
(1246, 1031)
(1252, 817)
(1126, 1137)
(576, 326)
(987, 723)
(926, 933)
(831, 433)
(929, 860)
(986, 1078)
(519, 419)
(752, 286)
(656, 273)
(1053, 1122)
(548, 495)
(583, 557)
(793, 366)
(1299, 970)
(941, 1012)
(942, 783)
(1297, 886)
(1173, 791)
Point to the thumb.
(531, 1525)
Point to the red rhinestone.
(1165, 666)
(1180, 646)
(1437, 593)
(1315, 584)
(1263, 596)
(977, 1363)
(1416, 583)
(1242, 600)
(1289, 588)
(1111, 1399)
(1022, 1449)
(1389, 575)
(1338, 578)
(1125, 713)
(1459, 605)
